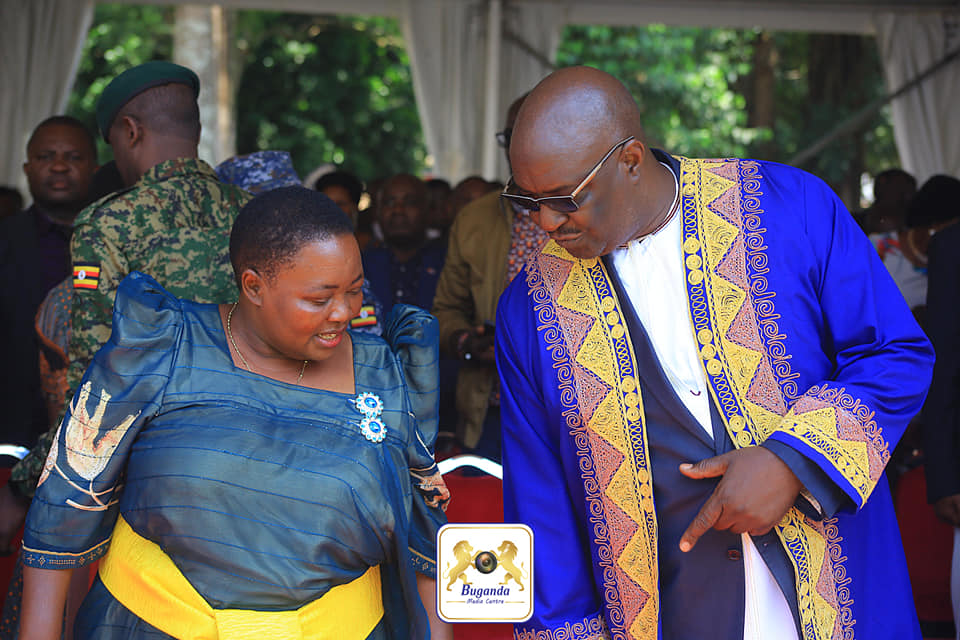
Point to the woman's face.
(307, 306)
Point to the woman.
(255, 469)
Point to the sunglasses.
(560, 204)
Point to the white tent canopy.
(466, 73)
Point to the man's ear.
(632, 158)
(131, 130)
(252, 285)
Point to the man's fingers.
(708, 468)
(709, 514)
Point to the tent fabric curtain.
(909, 44)
(40, 46)
(446, 43)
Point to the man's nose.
(548, 219)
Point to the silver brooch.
(371, 426)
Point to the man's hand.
(756, 491)
(12, 513)
(947, 509)
(476, 345)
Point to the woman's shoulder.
(145, 310)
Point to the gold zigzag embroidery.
(617, 419)
(718, 306)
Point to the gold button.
(628, 384)
(704, 336)
(617, 332)
(708, 351)
(633, 414)
(608, 304)
(631, 400)
(691, 245)
(694, 262)
(695, 277)
(714, 367)
(613, 318)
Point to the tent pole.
(492, 88)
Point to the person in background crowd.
(703, 375)
(488, 245)
(892, 191)
(34, 257)
(259, 171)
(904, 251)
(52, 331)
(171, 221)
(438, 192)
(941, 413)
(11, 202)
(346, 190)
(406, 268)
(466, 191)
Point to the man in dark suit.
(941, 413)
(35, 257)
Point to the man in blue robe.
(703, 376)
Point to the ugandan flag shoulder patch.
(86, 275)
(366, 318)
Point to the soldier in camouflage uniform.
(173, 223)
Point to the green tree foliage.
(695, 91)
(328, 89)
(338, 90)
(684, 80)
(122, 36)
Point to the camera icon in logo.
(486, 562)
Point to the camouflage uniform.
(174, 225)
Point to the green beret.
(135, 81)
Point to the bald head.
(578, 136)
(575, 109)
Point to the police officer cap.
(135, 81)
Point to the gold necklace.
(237, 349)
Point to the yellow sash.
(147, 582)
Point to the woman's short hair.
(275, 225)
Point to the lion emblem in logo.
(507, 556)
(463, 553)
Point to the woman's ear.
(252, 285)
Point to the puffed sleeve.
(75, 506)
(412, 335)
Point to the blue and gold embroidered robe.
(807, 346)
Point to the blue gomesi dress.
(264, 494)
